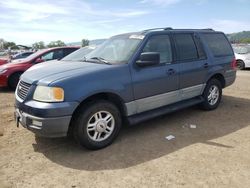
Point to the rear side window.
(186, 48)
(218, 44)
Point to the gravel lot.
(214, 154)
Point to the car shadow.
(146, 141)
(6, 90)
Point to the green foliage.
(246, 40)
(57, 43)
(11, 45)
(38, 45)
(85, 42)
(241, 37)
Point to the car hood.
(12, 65)
(48, 72)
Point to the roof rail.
(160, 28)
(210, 29)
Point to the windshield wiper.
(100, 59)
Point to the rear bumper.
(230, 77)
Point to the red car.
(11, 72)
(3, 61)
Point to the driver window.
(48, 56)
(162, 45)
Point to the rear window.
(218, 44)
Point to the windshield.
(79, 55)
(242, 49)
(116, 50)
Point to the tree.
(38, 45)
(85, 42)
(57, 43)
(1, 44)
(11, 45)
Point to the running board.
(134, 119)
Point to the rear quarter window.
(218, 44)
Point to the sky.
(29, 21)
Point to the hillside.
(240, 37)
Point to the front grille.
(23, 89)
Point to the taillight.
(234, 64)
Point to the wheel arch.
(108, 96)
(219, 77)
(12, 74)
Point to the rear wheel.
(13, 80)
(97, 124)
(212, 95)
(240, 64)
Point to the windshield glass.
(117, 50)
(79, 55)
(241, 49)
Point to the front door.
(157, 85)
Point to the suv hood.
(48, 72)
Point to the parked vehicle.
(14, 57)
(3, 60)
(242, 55)
(21, 55)
(131, 77)
(10, 73)
(79, 55)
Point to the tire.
(212, 95)
(96, 124)
(240, 65)
(13, 80)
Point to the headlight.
(48, 94)
(2, 71)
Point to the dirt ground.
(214, 154)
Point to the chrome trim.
(17, 97)
(153, 102)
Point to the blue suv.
(128, 79)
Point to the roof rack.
(210, 29)
(170, 28)
(160, 28)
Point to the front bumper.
(45, 119)
(45, 127)
(3, 80)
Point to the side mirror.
(148, 59)
(39, 60)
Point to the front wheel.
(13, 80)
(97, 124)
(212, 95)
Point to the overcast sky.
(28, 21)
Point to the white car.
(242, 55)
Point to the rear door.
(157, 85)
(193, 63)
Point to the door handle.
(205, 65)
(171, 71)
